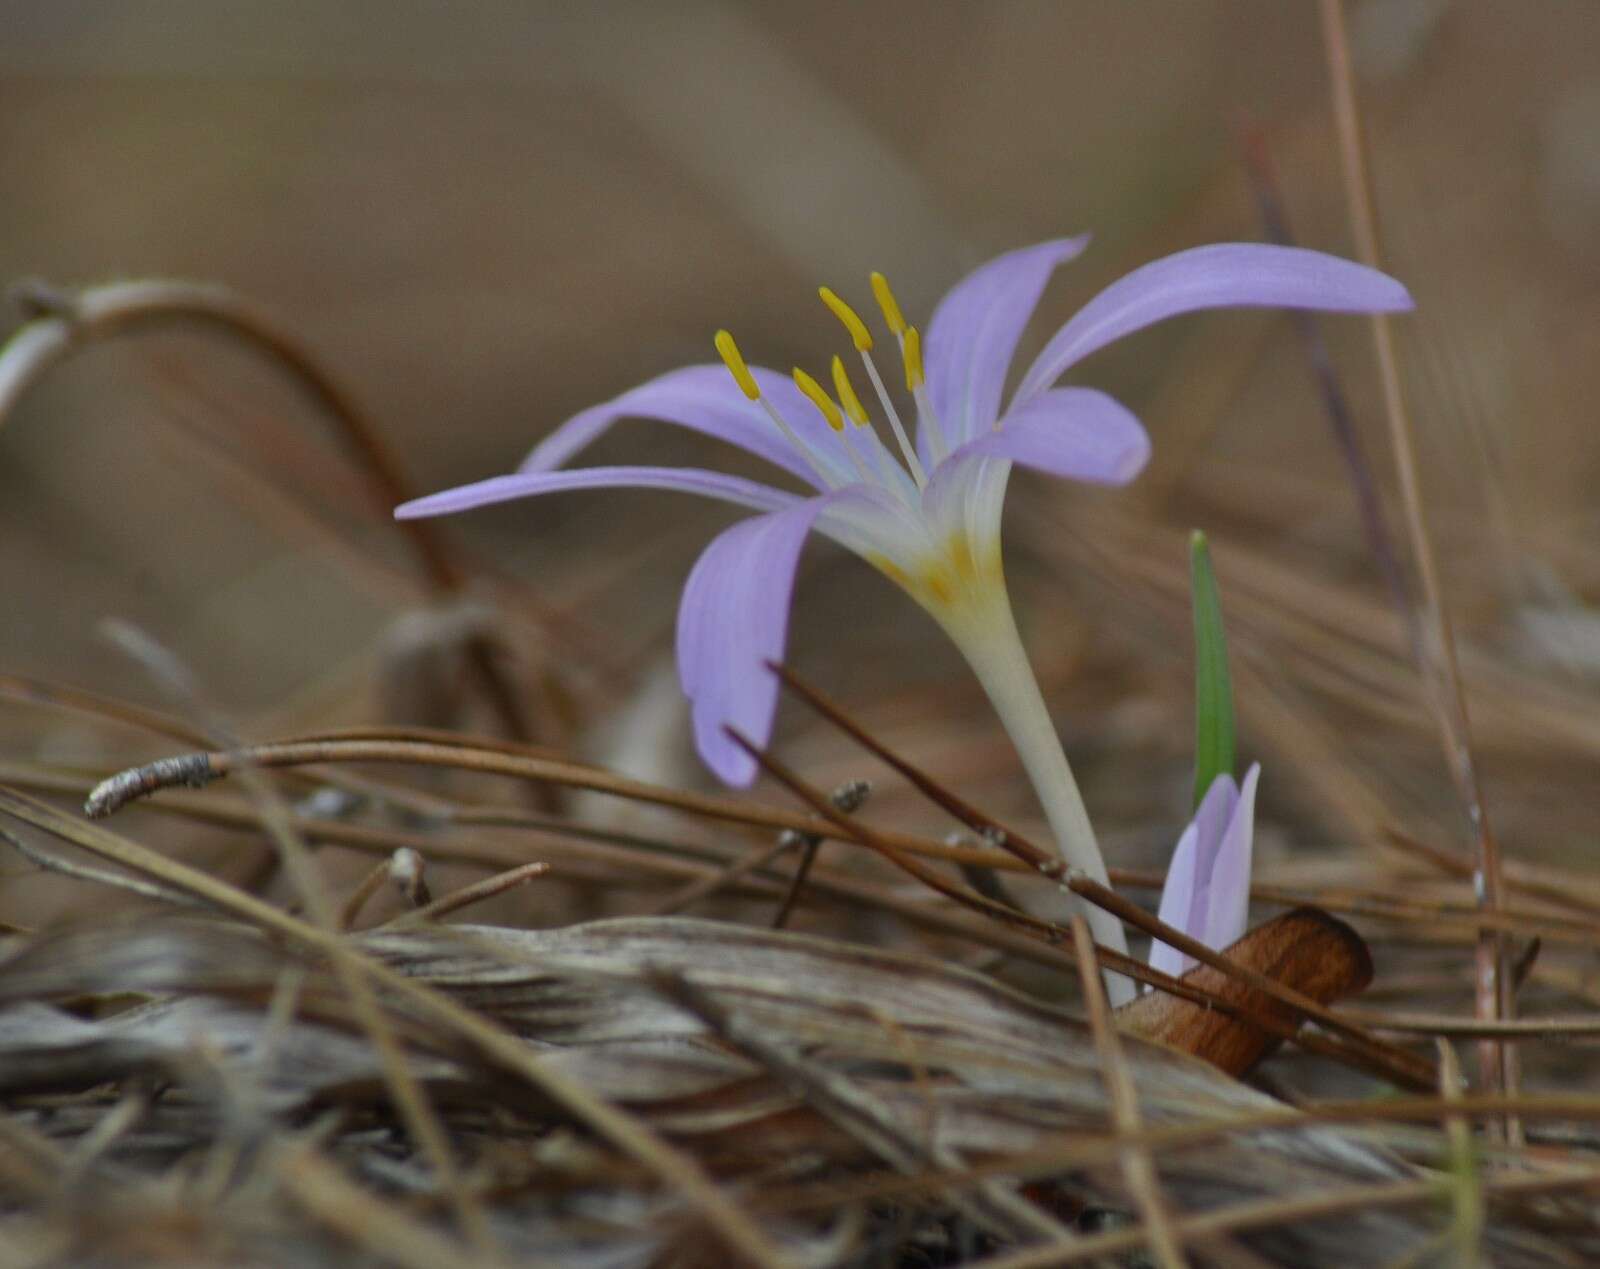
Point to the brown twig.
(365, 889)
(810, 846)
(758, 857)
(199, 769)
(1440, 669)
(328, 1195)
(1138, 1167)
(477, 892)
(1336, 405)
(1359, 1050)
(1050, 865)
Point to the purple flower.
(1207, 894)
(929, 518)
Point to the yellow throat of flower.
(957, 578)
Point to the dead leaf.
(1306, 949)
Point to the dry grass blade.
(1245, 1217)
(99, 876)
(673, 1167)
(477, 892)
(864, 1119)
(33, 691)
(369, 885)
(1000, 1077)
(416, 1109)
(1137, 1165)
(755, 859)
(377, 1227)
(1466, 1190)
(1441, 670)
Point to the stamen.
(911, 354)
(886, 301)
(860, 336)
(734, 360)
(892, 475)
(897, 324)
(819, 397)
(917, 382)
(899, 428)
(847, 394)
(731, 357)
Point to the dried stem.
(415, 1109)
(69, 322)
(1440, 670)
(199, 769)
(477, 892)
(1336, 405)
(1138, 1167)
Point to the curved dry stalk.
(1441, 671)
(65, 323)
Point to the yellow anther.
(859, 334)
(913, 354)
(886, 301)
(819, 398)
(847, 394)
(736, 367)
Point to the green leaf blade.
(1214, 742)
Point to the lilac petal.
(1211, 819)
(1224, 275)
(709, 484)
(1077, 433)
(974, 333)
(704, 399)
(732, 620)
(1187, 898)
(1228, 909)
(1177, 897)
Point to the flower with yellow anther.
(929, 518)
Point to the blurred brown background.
(484, 217)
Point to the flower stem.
(987, 636)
